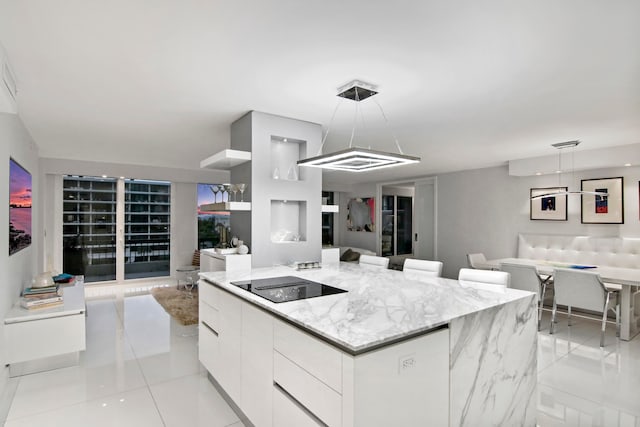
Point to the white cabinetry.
(281, 376)
(40, 334)
(219, 334)
(212, 261)
(257, 365)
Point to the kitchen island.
(395, 349)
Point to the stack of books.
(36, 298)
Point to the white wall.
(16, 271)
(483, 210)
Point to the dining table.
(627, 278)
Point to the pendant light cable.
(395, 139)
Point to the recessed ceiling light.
(558, 171)
(104, 176)
(538, 173)
(627, 164)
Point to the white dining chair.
(487, 277)
(586, 290)
(374, 261)
(477, 261)
(423, 267)
(526, 278)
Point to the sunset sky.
(20, 185)
(206, 196)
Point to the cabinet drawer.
(209, 294)
(317, 357)
(210, 316)
(307, 390)
(208, 349)
(287, 413)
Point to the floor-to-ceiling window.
(147, 234)
(116, 229)
(89, 227)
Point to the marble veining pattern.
(488, 385)
(380, 306)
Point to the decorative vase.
(243, 249)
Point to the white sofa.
(623, 252)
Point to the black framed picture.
(548, 204)
(604, 208)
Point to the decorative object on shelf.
(234, 190)
(227, 189)
(243, 249)
(361, 214)
(215, 190)
(276, 173)
(241, 187)
(603, 201)
(561, 146)
(292, 175)
(551, 207)
(358, 159)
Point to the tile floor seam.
(73, 404)
(155, 404)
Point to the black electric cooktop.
(286, 288)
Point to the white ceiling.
(464, 84)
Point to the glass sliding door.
(397, 225)
(404, 225)
(327, 219)
(147, 228)
(89, 227)
(388, 225)
(115, 229)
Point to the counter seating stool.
(489, 277)
(423, 266)
(477, 261)
(586, 290)
(374, 261)
(526, 278)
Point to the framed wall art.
(19, 207)
(603, 209)
(545, 205)
(361, 214)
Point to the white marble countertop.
(381, 306)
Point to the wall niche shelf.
(285, 153)
(226, 159)
(288, 221)
(226, 206)
(331, 208)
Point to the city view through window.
(210, 224)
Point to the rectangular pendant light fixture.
(357, 159)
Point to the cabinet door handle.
(296, 402)
(209, 328)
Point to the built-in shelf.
(226, 206)
(226, 159)
(330, 208)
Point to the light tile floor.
(141, 369)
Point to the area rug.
(179, 303)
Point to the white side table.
(38, 339)
(190, 273)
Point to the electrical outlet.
(406, 363)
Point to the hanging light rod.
(357, 159)
(560, 146)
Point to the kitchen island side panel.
(493, 366)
